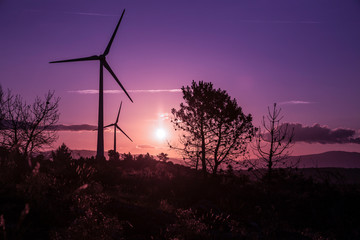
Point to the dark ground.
(147, 199)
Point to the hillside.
(337, 159)
(148, 199)
(332, 159)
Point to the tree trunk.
(203, 155)
(216, 166)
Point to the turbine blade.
(123, 132)
(106, 52)
(117, 119)
(109, 125)
(78, 59)
(106, 65)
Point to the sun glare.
(160, 134)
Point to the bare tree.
(213, 128)
(39, 125)
(2, 103)
(273, 142)
(28, 128)
(13, 109)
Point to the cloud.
(76, 13)
(94, 91)
(161, 118)
(156, 91)
(6, 125)
(164, 116)
(81, 127)
(144, 146)
(323, 134)
(294, 102)
(280, 21)
(92, 14)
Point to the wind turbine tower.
(117, 126)
(103, 63)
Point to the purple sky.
(304, 55)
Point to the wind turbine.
(117, 126)
(103, 63)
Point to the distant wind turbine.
(103, 63)
(117, 126)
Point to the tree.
(272, 146)
(12, 111)
(40, 121)
(163, 157)
(61, 154)
(145, 158)
(28, 127)
(2, 103)
(113, 155)
(213, 128)
(127, 157)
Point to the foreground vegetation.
(143, 198)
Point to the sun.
(160, 134)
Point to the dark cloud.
(323, 134)
(94, 91)
(144, 146)
(82, 127)
(5, 125)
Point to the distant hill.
(338, 159)
(333, 159)
(76, 153)
(83, 153)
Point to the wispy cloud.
(156, 91)
(92, 14)
(94, 91)
(164, 116)
(144, 146)
(76, 13)
(161, 117)
(295, 102)
(280, 21)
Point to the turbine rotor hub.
(102, 57)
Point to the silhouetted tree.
(163, 157)
(61, 154)
(229, 170)
(28, 128)
(2, 103)
(40, 120)
(113, 156)
(127, 157)
(146, 157)
(12, 134)
(213, 127)
(272, 143)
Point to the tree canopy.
(214, 129)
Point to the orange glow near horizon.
(150, 135)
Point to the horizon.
(303, 56)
